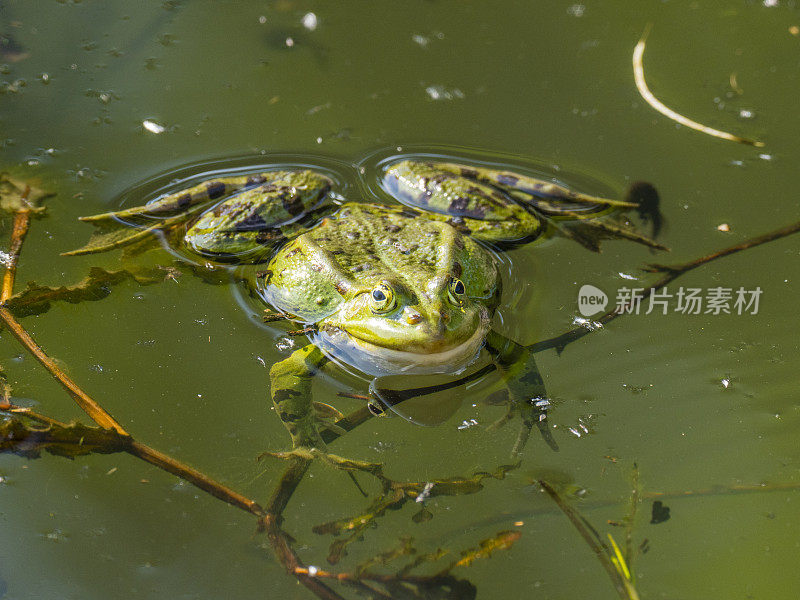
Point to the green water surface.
(699, 402)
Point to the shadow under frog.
(408, 289)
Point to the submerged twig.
(641, 85)
(604, 554)
(672, 272)
(630, 516)
(98, 414)
(280, 541)
(22, 219)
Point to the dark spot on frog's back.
(457, 270)
(184, 201)
(292, 203)
(215, 189)
(459, 205)
(253, 222)
(341, 287)
(506, 179)
(254, 180)
(469, 173)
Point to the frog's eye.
(382, 299)
(457, 291)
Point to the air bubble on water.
(57, 535)
(421, 40)
(284, 343)
(289, 42)
(765, 156)
(309, 21)
(97, 368)
(262, 19)
(746, 114)
(466, 424)
(587, 323)
(440, 92)
(576, 10)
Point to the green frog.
(389, 289)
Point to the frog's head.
(431, 325)
(389, 291)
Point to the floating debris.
(153, 127)
(641, 85)
(724, 227)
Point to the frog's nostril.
(413, 318)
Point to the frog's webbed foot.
(590, 232)
(530, 412)
(334, 460)
(525, 395)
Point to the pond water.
(105, 103)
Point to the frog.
(408, 287)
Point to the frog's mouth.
(378, 360)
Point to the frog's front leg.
(291, 394)
(290, 382)
(526, 390)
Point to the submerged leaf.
(502, 541)
(29, 440)
(394, 497)
(16, 195)
(37, 299)
(405, 548)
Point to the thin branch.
(22, 220)
(672, 272)
(97, 413)
(281, 543)
(195, 477)
(591, 537)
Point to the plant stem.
(271, 522)
(672, 272)
(22, 220)
(97, 413)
